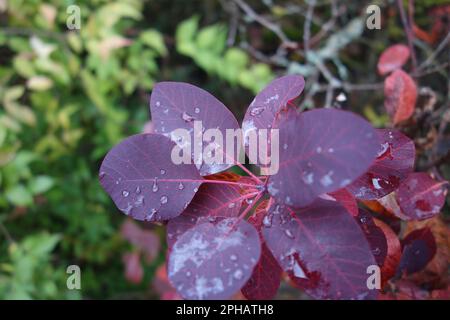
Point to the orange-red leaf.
(393, 58)
(400, 93)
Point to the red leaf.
(266, 276)
(212, 201)
(394, 162)
(322, 249)
(421, 197)
(393, 58)
(162, 285)
(394, 252)
(374, 235)
(133, 268)
(214, 261)
(347, 200)
(400, 93)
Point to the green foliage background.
(66, 97)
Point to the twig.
(266, 23)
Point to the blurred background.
(75, 79)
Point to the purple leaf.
(177, 105)
(394, 162)
(214, 261)
(419, 248)
(321, 151)
(142, 180)
(322, 249)
(264, 109)
(212, 201)
(421, 197)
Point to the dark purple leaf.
(264, 109)
(142, 180)
(374, 235)
(321, 151)
(266, 276)
(212, 201)
(419, 248)
(322, 249)
(214, 261)
(421, 197)
(176, 105)
(394, 162)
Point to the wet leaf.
(176, 105)
(322, 156)
(212, 202)
(214, 261)
(394, 162)
(322, 248)
(421, 197)
(142, 180)
(266, 276)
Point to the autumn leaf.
(400, 93)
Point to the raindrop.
(376, 183)
(162, 171)
(256, 111)
(155, 185)
(187, 117)
(166, 111)
(298, 271)
(181, 186)
(125, 193)
(101, 175)
(330, 150)
(163, 199)
(376, 251)
(319, 149)
(197, 110)
(285, 146)
(238, 274)
(188, 274)
(138, 190)
(195, 189)
(139, 201)
(289, 233)
(232, 205)
(158, 103)
(364, 220)
(267, 221)
(233, 257)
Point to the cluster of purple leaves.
(232, 233)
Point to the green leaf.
(40, 184)
(19, 196)
(154, 40)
